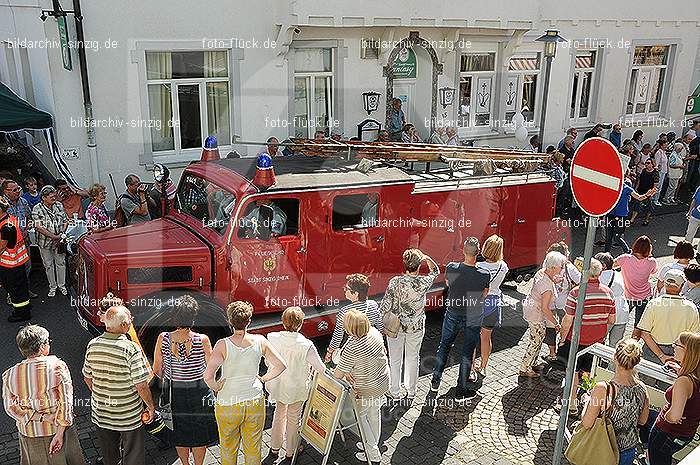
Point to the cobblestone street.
(507, 423)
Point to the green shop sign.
(405, 64)
(65, 46)
(693, 104)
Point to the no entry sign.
(596, 176)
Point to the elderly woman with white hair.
(598, 313)
(537, 311)
(38, 395)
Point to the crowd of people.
(37, 217)
(665, 172)
(666, 320)
(216, 394)
(42, 216)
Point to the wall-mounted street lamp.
(447, 95)
(370, 101)
(550, 38)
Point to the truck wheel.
(153, 315)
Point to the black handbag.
(166, 393)
(61, 247)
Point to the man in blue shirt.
(616, 219)
(467, 287)
(616, 136)
(397, 120)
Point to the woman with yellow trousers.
(240, 404)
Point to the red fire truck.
(341, 218)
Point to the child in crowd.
(291, 388)
(31, 194)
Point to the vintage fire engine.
(350, 208)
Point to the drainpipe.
(87, 103)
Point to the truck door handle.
(302, 249)
(494, 225)
(379, 238)
(521, 220)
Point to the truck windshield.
(206, 202)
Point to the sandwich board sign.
(328, 399)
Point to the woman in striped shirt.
(38, 394)
(363, 363)
(356, 290)
(181, 357)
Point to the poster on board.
(322, 411)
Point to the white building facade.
(164, 75)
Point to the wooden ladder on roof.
(394, 151)
(471, 160)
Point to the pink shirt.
(636, 273)
(532, 306)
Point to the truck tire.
(152, 316)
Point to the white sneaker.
(63, 290)
(363, 458)
(52, 293)
(360, 446)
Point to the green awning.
(17, 114)
(693, 105)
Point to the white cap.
(674, 278)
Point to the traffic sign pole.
(596, 179)
(576, 331)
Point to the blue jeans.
(627, 456)
(662, 446)
(452, 324)
(614, 230)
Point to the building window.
(584, 74)
(520, 90)
(313, 91)
(647, 79)
(188, 98)
(476, 75)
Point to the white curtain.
(215, 64)
(159, 65)
(218, 111)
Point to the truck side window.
(356, 211)
(285, 218)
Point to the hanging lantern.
(447, 95)
(370, 101)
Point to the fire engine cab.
(334, 209)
